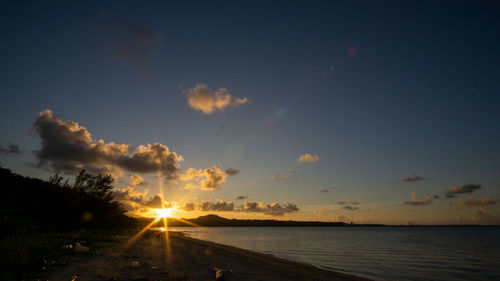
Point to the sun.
(163, 213)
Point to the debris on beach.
(221, 274)
(80, 248)
(135, 264)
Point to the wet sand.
(185, 258)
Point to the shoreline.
(265, 257)
(150, 257)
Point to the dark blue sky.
(379, 90)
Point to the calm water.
(379, 253)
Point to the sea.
(378, 253)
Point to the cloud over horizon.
(203, 98)
(460, 189)
(274, 209)
(412, 178)
(68, 147)
(414, 201)
(472, 201)
(308, 158)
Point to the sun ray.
(135, 237)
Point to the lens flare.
(163, 213)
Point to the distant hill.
(217, 221)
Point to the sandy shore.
(185, 258)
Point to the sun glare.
(163, 213)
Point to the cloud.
(344, 202)
(11, 149)
(128, 193)
(412, 178)
(414, 201)
(68, 147)
(202, 98)
(209, 179)
(219, 206)
(291, 170)
(241, 197)
(325, 191)
(464, 188)
(277, 177)
(274, 209)
(132, 44)
(349, 208)
(308, 158)
(232, 172)
(475, 202)
(483, 216)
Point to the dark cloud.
(344, 202)
(232, 172)
(66, 146)
(349, 208)
(274, 209)
(475, 202)
(325, 191)
(412, 178)
(414, 201)
(219, 205)
(241, 197)
(464, 188)
(11, 149)
(207, 206)
(131, 44)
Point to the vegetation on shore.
(43, 221)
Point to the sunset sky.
(364, 111)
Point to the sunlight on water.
(379, 253)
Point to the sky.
(364, 111)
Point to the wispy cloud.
(484, 216)
(460, 189)
(349, 208)
(203, 98)
(291, 170)
(325, 191)
(472, 201)
(241, 197)
(412, 178)
(414, 201)
(283, 176)
(308, 158)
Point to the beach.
(150, 257)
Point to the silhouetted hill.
(217, 221)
